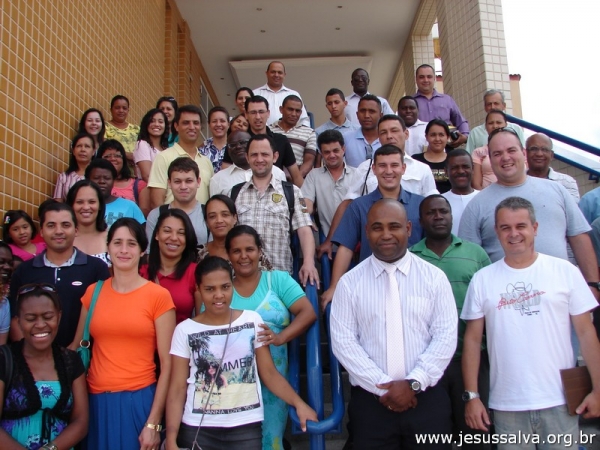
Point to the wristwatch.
(49, 446)
(469, 395)
(154, 427)
(415, 386)
(594, 284)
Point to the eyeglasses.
(259, 112)
(27, 288)
(544, 150)
(238, 144)
(112, 156)
(502, 130)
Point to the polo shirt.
(441, 106)
(71, 281)
(357, 149)
(459, 262)
(160, 168)
(320, 187)
(351, 229)
(302, 139)
(352, 107)
(275, 99)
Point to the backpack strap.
(203, 206)
(288, 191)
(235, 191)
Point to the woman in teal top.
(275, 296)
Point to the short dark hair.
(221, 198)
(73, 166)
(100, 163)
(211, 264)
(335, 91)
(290, 98)
(239, 230)
(192, 109)
(395, 117)
(370, 97)
(183, 164)
(256, 99)
(329, 137)
(407, 97)
(244, 88)
(276, 62)
(145, 134)
(496, 111)
(136, 229)
(113, 144)
(357, 70)
(514, 204)
(57, 207)
(439, 123)
(72, 197)
(388, 149)
(10, 217)
(261, 137)
(216, 109)
(456, 153)
(189, 252)
(429, 197)
(116, 98)
(81, 128)
(425, 65)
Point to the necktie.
(393, 327)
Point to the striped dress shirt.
(429, 320)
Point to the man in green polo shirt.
(459, 260)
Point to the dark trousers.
(376, 427)
(243, 437)
(452, 383)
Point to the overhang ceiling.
(319, 41)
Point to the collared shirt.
(302, 139)
(227, 178)
(459, 262)
(358, 149)
(71, 280)
(417, 179)
(160, 167)
(358, 322)
(352, 228)
(275, 100)
(416, 141)
(346, 127)
(569, 183)
(352, 107)
(268, 214)
(320, 187)
(441, 106)
(478, 137)
(214, 153)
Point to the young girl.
(230, 339)
(18, 232)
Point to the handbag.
(84, 351)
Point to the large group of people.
(463, 275)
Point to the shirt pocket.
(277, 218)
(418, 312)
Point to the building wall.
(61, 57)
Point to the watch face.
(415, 385)
(466, 396)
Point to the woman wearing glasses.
(131, 320)
(125, 186)
(46, 404)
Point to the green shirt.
(459, 262)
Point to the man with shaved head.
(394, 329)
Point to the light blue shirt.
(357, 148)
(346, 127)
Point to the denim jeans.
(242, 437)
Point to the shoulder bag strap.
(86, 328)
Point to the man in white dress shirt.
(360, 85)
(394, 392)
(408, 109)
(274, 91)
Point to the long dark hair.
(10, 217)
(189, 252)
(73, 166)
(84, 118)
(72, 197)
(145, 134)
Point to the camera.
(454, 135)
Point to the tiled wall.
(60, 57)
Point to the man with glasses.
(360, 85)
(362, 143)
(61, 265)
(538, 149)
(239, 171)
(560, 220)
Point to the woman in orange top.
(132, 319)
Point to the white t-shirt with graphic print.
(528, 326)
(236, 396)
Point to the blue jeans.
(552, 428)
